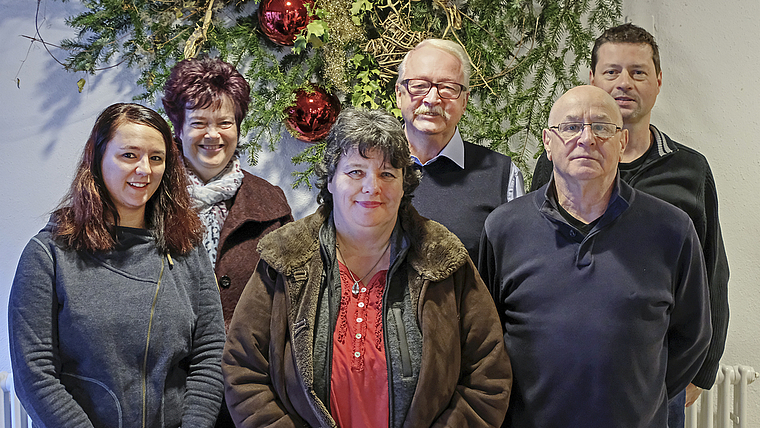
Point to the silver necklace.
(355, 287)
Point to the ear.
(546, 137)
(659, 82)
(623, 142)
(398, 95)
(591, 77)
(466, 98)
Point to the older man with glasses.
(625, 62)
(601, 289)
(462, 182)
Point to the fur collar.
(434, 252)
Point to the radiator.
(12, 415)
(723, 406)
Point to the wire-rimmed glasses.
(570, 130)
(421, 87)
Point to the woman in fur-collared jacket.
(365, 314)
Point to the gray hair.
(366, 131)
(448, 46)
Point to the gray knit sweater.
(127, 338)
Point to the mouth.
(624, 99)
(369, 204)
(212, 147)
(582, 157)
(428, 111)
(138, 185)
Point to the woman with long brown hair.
(114, 315)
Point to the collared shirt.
(454, 150)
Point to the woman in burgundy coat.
(206, 100)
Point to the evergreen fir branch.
(525, 53)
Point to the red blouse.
(359, 377)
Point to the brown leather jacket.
(461, 375)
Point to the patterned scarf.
(209, 201)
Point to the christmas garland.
(329, 53)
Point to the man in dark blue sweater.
(461, 182)
(601, 288)
(625, 62)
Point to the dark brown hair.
(200, 83)
(87, 216)
(366, 131)
(626, 33)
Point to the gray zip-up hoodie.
(126, 338)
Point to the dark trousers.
(676, 416)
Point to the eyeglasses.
(421, 87)
(570, 130)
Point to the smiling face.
(366, 192)
(430, 114)
(627, 72)
(585, 157)
(132, 167)
(209, 138)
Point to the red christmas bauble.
(313, 114)
(282, 20)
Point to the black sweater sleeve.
(542, 173)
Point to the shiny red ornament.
(282, 20)
(313, 114)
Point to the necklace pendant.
(355, 288)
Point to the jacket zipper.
(403, 344)
(147, 345)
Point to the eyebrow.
(128, 147)
(196, 113)
(618, 65)
(359, 164)
(594, 118)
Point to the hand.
(692, 393)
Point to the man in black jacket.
(625, 62)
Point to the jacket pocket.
(403, 344)
(98, 401)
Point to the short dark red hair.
(198, 83)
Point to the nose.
(624, 81)
(212, 131)
(587, 136)
(432, 96)
(143, 166)
(370, 184)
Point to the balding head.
(585, 154)
(578, 96)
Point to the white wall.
(710, 54)
(709, 101)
